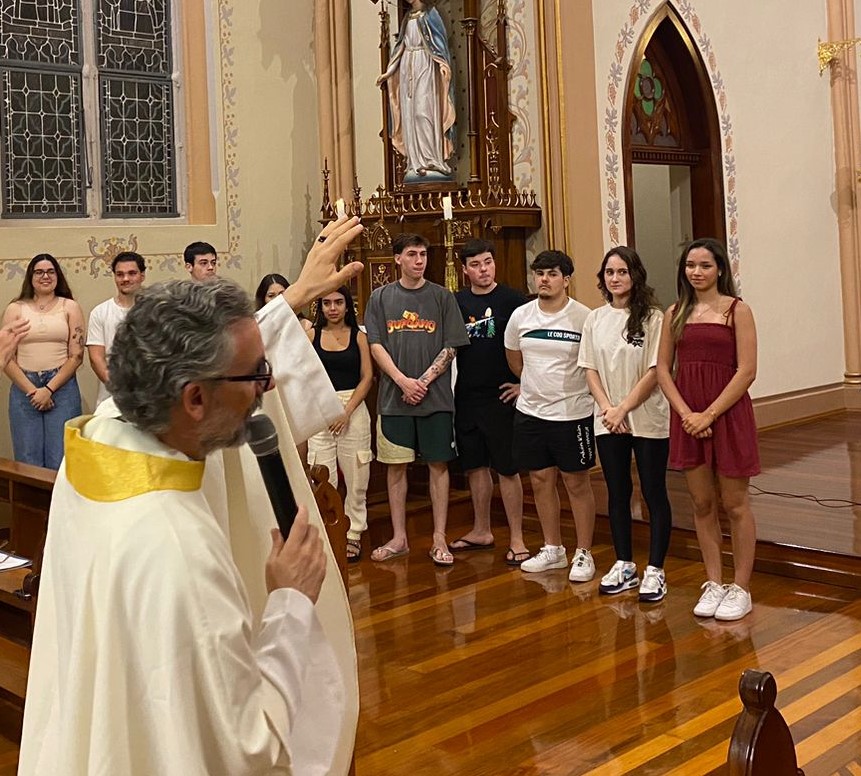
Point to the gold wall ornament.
(103, 253)
(828, 52)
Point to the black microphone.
(263, 441)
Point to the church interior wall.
(782, 147)
(261, 145)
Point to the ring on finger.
(321, 239)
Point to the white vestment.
(156, 648)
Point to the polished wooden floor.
(483, 670)
(486, 670)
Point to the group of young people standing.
(541, 386)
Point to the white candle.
(340, 208)
(446, 208)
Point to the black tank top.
(344, 367)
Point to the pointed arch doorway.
(671, 150)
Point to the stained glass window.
(136, 100)
(46, 47)
(41, 118)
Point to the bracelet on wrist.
(50, 390)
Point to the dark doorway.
(671, 150)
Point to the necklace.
(342, 337)
(46, 305)
(708, 308)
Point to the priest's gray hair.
(176, 332)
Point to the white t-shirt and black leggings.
(621, 364)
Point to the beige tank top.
(46, 345)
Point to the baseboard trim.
(783, 409)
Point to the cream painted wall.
(781, 133)
(266, 159)
(367, 97)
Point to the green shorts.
(403, 438)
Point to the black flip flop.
(470, 546)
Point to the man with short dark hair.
(413, 328)
(201, 260)
(129, 271)
(553, 427)
(484, 396)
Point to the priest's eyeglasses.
(263, 375)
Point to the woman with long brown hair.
(619, 351)
(44, 393)
(706, 364)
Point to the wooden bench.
(26, 492)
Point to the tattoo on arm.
(439, 365)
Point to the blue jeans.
(37, 437)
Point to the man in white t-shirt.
(129, 270)
(553, 425)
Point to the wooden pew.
(761, 744)
(26, 492)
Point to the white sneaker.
(548, 557)
(582, 567)
(735, 604)
(710, 599)
(622, 577)
(654, 586)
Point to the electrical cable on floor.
(830, 503)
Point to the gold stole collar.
(103, 473)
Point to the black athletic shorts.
(484, 435)
(540, 444)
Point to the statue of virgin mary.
(421, 93)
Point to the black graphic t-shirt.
(481, 365)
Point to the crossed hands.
(41, 400)
(613, 419)
(698, 424)
(414, 390)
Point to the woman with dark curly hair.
(619, 351)
(44, 393)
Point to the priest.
(163, 643)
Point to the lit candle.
(446, 208)
(340, 208)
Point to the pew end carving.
(761, 743)
(331, 508)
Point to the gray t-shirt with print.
(414, 325)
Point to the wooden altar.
(485, 202)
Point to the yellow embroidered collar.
(100, 472)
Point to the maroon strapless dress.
(705, 363)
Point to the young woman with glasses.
(44, 393)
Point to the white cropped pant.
(351, 452)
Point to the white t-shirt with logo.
(621, 364)
(552, 386)
(104, 320)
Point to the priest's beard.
(219, 430)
